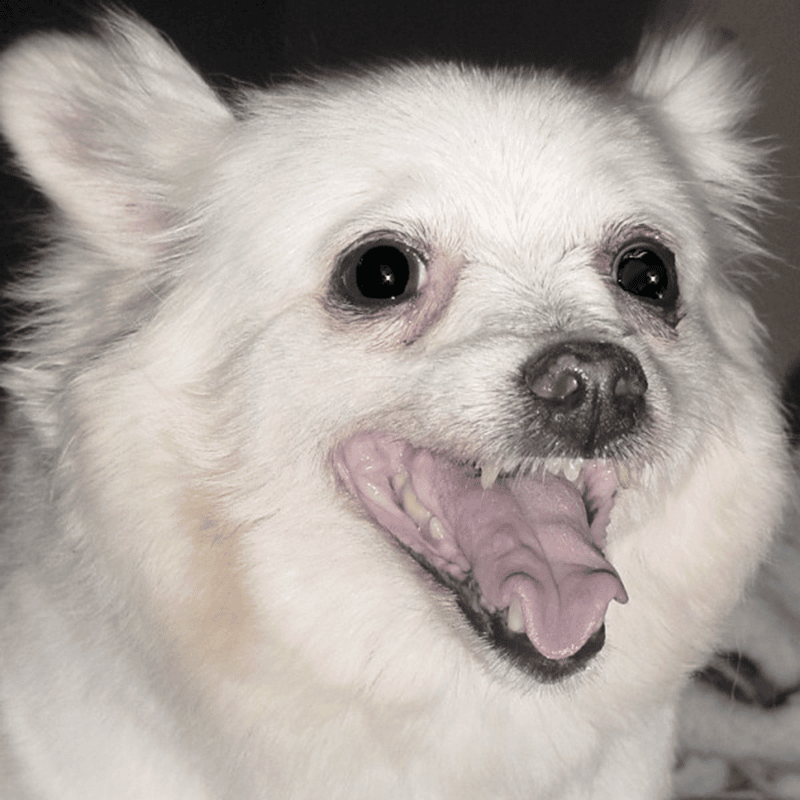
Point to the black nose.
(585, 396)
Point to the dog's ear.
(111, 127)
(697, 86)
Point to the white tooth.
(399, 480)
(489, 475)
(572, 468)
(553, 466)
(625, 477)
(413, 507)
(516, 622)
(436, 529)
(379, 496)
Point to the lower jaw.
(515, 649)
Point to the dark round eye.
(647, 270)
(381, 273)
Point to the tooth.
(572, 468)
(625, 476)
(436, 529)
(379, 496)
(489, 475)
(413, 507)
(553, 466)
(516, 622)
(399, 480)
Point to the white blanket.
(740, 726)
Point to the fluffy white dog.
(389, 435)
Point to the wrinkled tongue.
(531, 552)
(528, 544)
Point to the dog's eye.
(381, 273)
(647, 270)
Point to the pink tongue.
(529, 547)
(533, 545)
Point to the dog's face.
(492, 333)
(487, 341)
(436, 373)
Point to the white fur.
(192, 606)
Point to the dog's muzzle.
(520, 544)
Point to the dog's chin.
(521, 550)
(515, 647)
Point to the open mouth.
(523, 553)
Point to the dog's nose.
(586, 395)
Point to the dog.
(391, 434)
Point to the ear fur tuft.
(700, 93)
(108, 126)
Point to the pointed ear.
(111, 127)
(702, 98)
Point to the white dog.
(389, 435)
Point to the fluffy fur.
(196, 603)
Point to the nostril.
(554, 385)
(630, 386)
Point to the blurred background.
(263, 41)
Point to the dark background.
(253, 41)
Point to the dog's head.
(428, 344)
